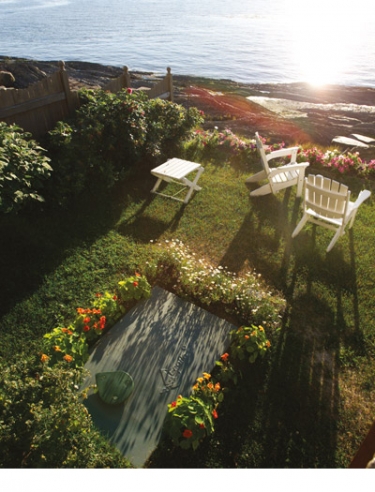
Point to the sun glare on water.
(327, 34)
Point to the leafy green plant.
(23, 168)
(134, 287)
(65, 344)
(249, 342)
(43, 423)
(109, 306)
(225, 371)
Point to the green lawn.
(310, 402)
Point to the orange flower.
(102, 322)
(135, 283)
(86, 328)
(81, 311)
(87, 319)
(68, 358)
(224, 357)
(56, 348)
(215, 414)
(210, 386)
(268, 343)
(98, 294)
(137, 274)
(44, 358)
(217, 386)
(187, 433)
(69, 332)
(247, 337)
(64, 330)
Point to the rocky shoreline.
(295, 113)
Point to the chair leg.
(257, 177)
(339, 233)
(300, 225)
(263, 190)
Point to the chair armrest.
(288, 167)
(361, 198)
(292, 151)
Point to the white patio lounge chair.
(281, 177)
(327, 203)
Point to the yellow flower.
(206, 375)
(261, 328)
(200, 380)
(44, 358)
(195, 387)
(56, 348)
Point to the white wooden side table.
(175, 170)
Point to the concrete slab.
(164, 343)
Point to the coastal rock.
(6, 79)
(307, 114)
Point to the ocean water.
(251, 41)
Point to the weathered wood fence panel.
(122, 82)
(39, 107)
(163, 89)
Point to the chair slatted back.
(326, 197)
(262, 153)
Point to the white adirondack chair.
(281, 177)
(327, 203)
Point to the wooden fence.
(162, 89)
(38, 108)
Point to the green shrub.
(43, 423)
(112, 133)
(23, 168)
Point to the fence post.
(170, 83)
(127, 77)
(66, 87)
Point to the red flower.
(173, 404)
(86, 328)
(187, 433)
(115, 298)
(98, 294)
(87, 319)
(135, 283)
(102, 322)
(224, 357)
(214, 414)
(201, 426)
(129, 91)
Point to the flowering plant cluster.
(65, 344)
(249, 342)
(89, 322)
(191, 419)
(348, 163)
(70, 344)
(135, 287)
(243, 296)
(207, 141)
